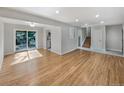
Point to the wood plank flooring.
(42, 67)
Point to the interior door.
(98, 37)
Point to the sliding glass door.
(21, 40)
(31, 39)
(25, 40)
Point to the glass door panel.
(21, 40)
(31, 39)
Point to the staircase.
(87, 42)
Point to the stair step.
(87, 42)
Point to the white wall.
(9, 39)
(88, 31)
(45, 32)
(114, 37)
(79, 37)
(56, 40)
(123, 38)
(40, 38)
(82, 34)
(69, 44)
(1, 43)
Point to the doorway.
(87, 42)
(25, 40)
(114, 39)
(49, 40)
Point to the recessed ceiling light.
(101, 22)
(77, 20)
(86, 24)
(57, 11)
(97, 15)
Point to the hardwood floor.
(87, 42)
(76, 68)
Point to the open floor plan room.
(61, 46)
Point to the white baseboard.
(55, 52)
(40, 48)
(114, 50)
(5, 54)
(100, 51)
(69, 51)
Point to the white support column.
(1, 43)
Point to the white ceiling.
(86, 15)
(21, 22)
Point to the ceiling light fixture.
(97, 15)
(57, 11)
(77, 20)
(101, 22)
(31, 24)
